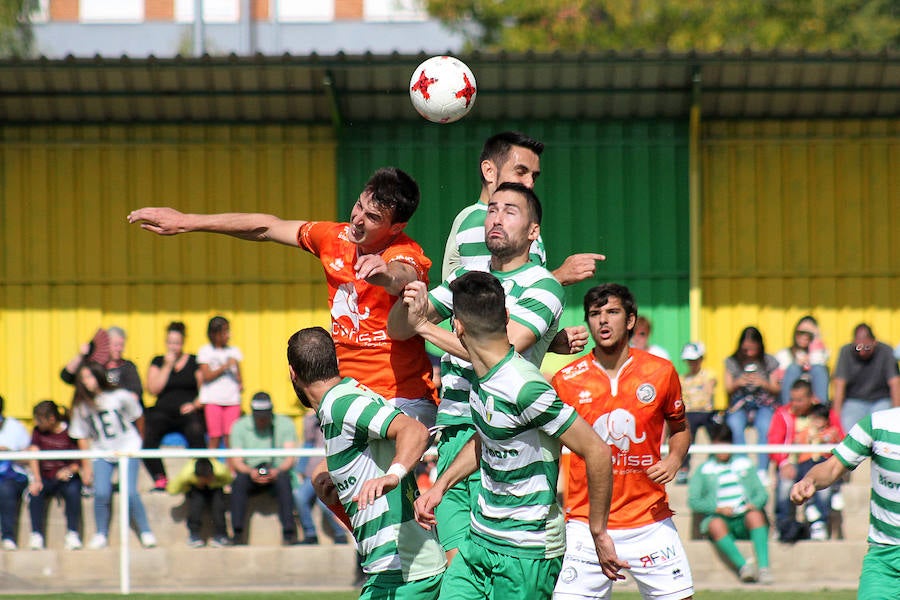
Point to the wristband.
(397, 469)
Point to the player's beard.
(505, 248)
(301, 395)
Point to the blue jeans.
(304, 498)
(737, 421)
(103, 471)
(818, 379)
(69, 491)
(854, 409)
(11, 489)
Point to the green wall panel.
(619, 188)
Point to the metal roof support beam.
(695, 296)
(337, 119)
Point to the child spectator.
(108, 418)
(819, 430)
(727, 489)
(220, 381)
(53, 478)
(697, 388)
(202, 480)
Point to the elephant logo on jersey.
(346, 304)
(646, 393)
(618, 429)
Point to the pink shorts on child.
(219, 419)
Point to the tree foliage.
(16, 37)
(673, 25)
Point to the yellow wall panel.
(799, 217)
(71, 263)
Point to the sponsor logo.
(568, 575)
(660, 556)
(677, 574)
(345, 305)
(571, 371)
(617, 428)
(882, 449)
(646, 393)
(584, 397)
(501, 454)
(337, 264)
(345, 484)
(885, 482)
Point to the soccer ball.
(442, 89)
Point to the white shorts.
(658, 563)
(423, 410)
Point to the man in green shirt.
(516, 537)
(263, 430)
(371, 450)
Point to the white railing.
(122, 459)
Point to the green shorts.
(478, 573)
(880, 573)
(453, 513)
(736, 526)
(387, 586)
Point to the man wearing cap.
(253, 474)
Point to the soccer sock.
(730, 550)
(760, 539)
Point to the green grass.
(315, 595)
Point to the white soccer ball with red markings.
(442, 89)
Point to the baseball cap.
(693, 351)
(261, 403)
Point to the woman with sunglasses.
(806, 357)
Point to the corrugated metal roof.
(259, 89)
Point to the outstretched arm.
(819, 477)
(255, 227)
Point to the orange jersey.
(630, 414)
(359, 312)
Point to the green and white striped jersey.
(519, 419)
(730, 493)
(465, 244)
(534, 298)
(355, 422)
(878, 436)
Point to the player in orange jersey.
(367, 263)
(628, 396)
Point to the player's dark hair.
(216, 325)
(394, 190)
(479, 302)
(496, 148)
(203, 467)
(312, 355)
(2, 402)
(535, 211)
(177, 327)
(599, 295)
(721, 434)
